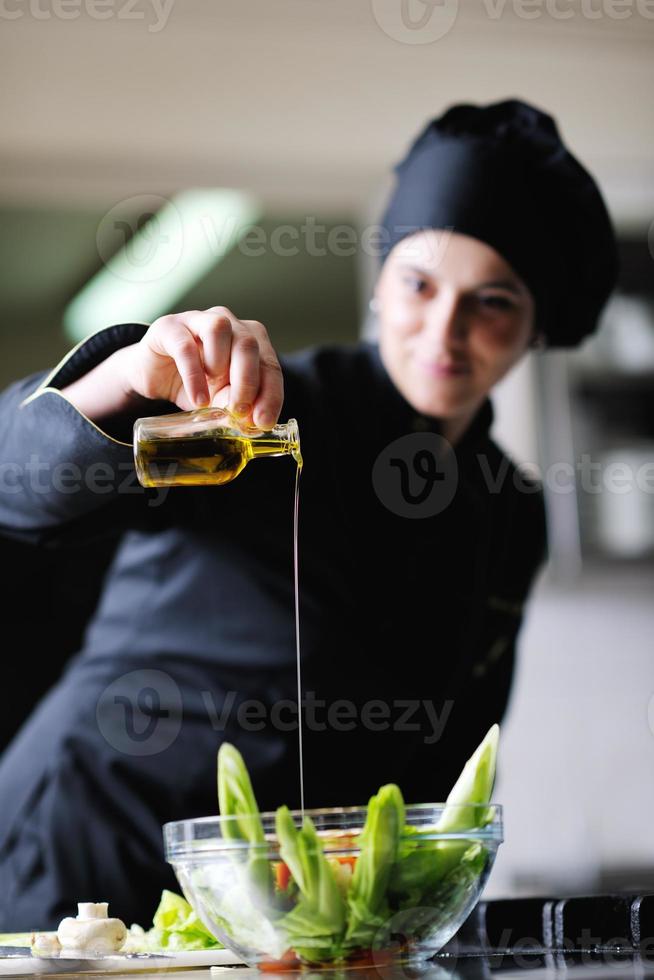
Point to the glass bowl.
(245, 894)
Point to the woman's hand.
(207, 357)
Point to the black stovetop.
(596, 936)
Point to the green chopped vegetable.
(474, 786)
(473, 789)
(248, 910)
(175, 927)
(422, 865)
(461, 879)
(456, 889)
(315, 926)
(380, 841)
(236, 799)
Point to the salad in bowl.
(375, 884)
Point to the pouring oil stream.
(298, 460)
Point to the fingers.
(225, 361)
(214, 330)
(231, 356)
(175, 340)
(244, 371)
(270, 397)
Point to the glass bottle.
(205, 446)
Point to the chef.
(419, 539)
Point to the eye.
(415, 283)
(500, 303)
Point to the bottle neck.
(282, 440)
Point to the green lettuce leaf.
(315, 926)
(430, 914)
(474, 786)
(175, 927)
(236, 799)
(460, 882)
(246, 910)
(379, 848)
(422, 863)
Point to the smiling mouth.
(443, 369)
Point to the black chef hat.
(501, 173)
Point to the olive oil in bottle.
(204, 447)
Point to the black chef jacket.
(408, 626)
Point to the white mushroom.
(45, 944)
(92, 931)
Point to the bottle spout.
(289, 432)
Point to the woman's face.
(454, 318)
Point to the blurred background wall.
(110, 109)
